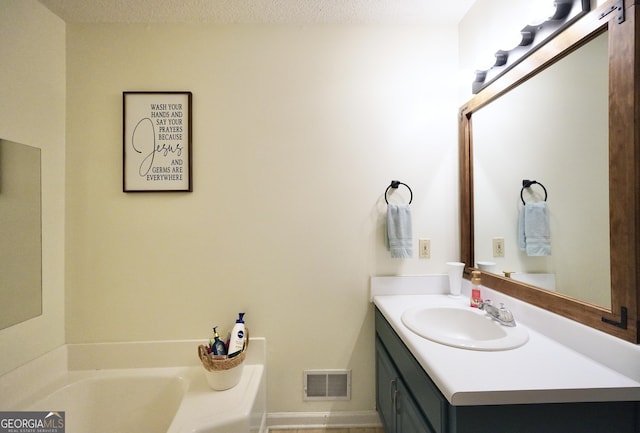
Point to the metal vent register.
(327, 384)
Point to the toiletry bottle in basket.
(217, 346)
(236, 344)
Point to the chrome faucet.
(501, 315)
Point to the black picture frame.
(156, 139)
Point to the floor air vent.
(327, 384)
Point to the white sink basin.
(466, 328)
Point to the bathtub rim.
(50, 369)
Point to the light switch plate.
(498, 247)
(425, 248)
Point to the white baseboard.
(342, 419)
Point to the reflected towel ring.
(395, 184)
(527, 183)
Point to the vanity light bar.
(532, 36)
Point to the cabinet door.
(409, 418)
(386, 389)
(425, 393)
(396, 407)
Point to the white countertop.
(541, 371)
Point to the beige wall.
(32, 73)
(297, 131)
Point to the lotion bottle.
(476, 283)
(236, 344)
(217, 346)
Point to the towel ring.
(527, 183)
(395, 184)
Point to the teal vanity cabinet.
(396, 406)
(408, 401)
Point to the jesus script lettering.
(145, 144)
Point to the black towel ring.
(527, 183)
(395, 184)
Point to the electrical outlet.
(498, 247)
(425, 248)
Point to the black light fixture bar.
(533, 36)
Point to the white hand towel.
(399, 235)
(533, 229)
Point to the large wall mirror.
(560, 123)
(564, 117)
(20, 231)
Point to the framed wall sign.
(157, 141)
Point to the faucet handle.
(505, 314)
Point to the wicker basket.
(225, 373)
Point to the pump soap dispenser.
(476, 296)
(217, 346)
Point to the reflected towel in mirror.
(534, 235)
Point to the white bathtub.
(149, 400)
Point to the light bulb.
(540, 11)
(511, 38)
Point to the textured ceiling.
(261, 11)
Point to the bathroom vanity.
(579, 370)
(542, 386)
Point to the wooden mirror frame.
(619, 19)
